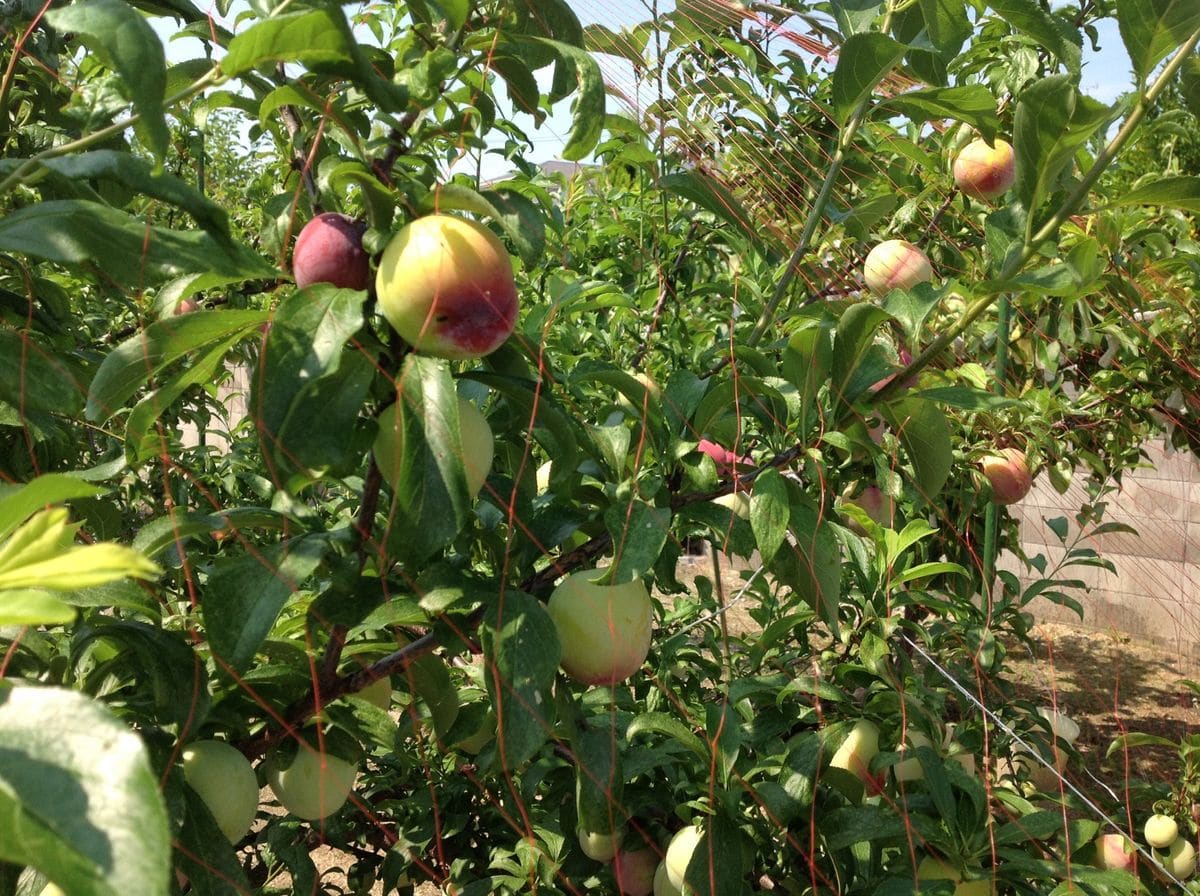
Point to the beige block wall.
(1155, 593)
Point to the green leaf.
(807, 360)
(1051, 122)
(974, 104)
(1152, 29)
(588, 115)
(811, 563)
(626, 45)
(1181, 192)
(144, 355)
(946, 24)
(639, 532)
(164, 660)
(967, 398)
(430, 502)
(124, 42)
(858, 362)
(599, 783)
(861, 824)
(308, 370)
(1046, 29)
(519, 218)
(1189, 84)
(520, 647)
(19, 503)
(854, 16)
(864, 60)
(125, 248)
(246, 592)
(135, 174)
(203, 853)
(32, 378)
(313, 38)
(78, 799)
(669, 726)
(925, 434)
(715, 198)
(715, 868)
(769, 512)
(33, 607)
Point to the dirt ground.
(1108, 683)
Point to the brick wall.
(1155, 593)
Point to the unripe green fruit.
(378, 693)
(475, 436)
(314, 786)
(895, 264)
(911, 769)
(985, 172)
(597, 846)
(446, 285)
(604, 630)
(662, 882)
(857, 750)
(1161, 831)
(225, 780)
(1181, 858)
(52, 890)
(679, 854)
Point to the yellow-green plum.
(1114, 852)
(910, 769)
(662, 882)
(1161, 831)
(316, 784)
(1180, 858)
(378, 693)
(933, 868)
(478, 444)
(224, 779)
(329, 249)
(738, 502)
(598, 846)
(895, 264)
(857, 750)
(446, 285)
(633, 870)
(985, 172)
(1007, 470)
(52, 890)
(604, 630)
(679, 854)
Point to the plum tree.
(895, 264)
(604, 629)
(1007, 471)
(478, 444)
(985, 172)
(446, 285)
(329, 249)
(313, 784)
(597, 845)
(225, 780)
(855, 753)
(634, 870)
